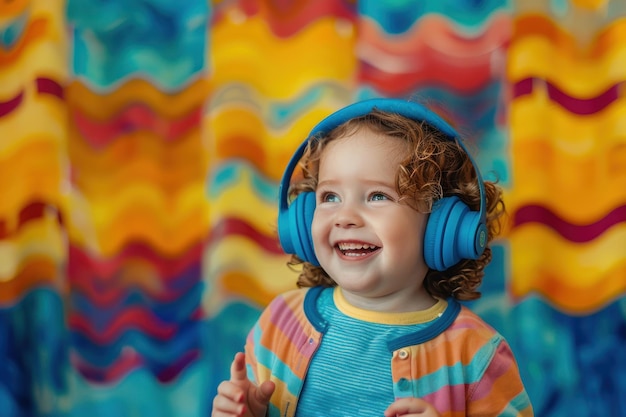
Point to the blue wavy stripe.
(229, 173)
(140, 394)
(177, 311)
(277, 114)
(33, 352)
(398, 16)
(156, 351)
(164, 42)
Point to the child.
(390, 223)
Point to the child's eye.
(379, 197)
(329, 197)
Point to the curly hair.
(434, 167)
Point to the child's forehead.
(366, 143)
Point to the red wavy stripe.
(82, 265)
(171, 372)
(50, 86)
(10, 105)
(461, 78)
(128, 361)
(112, 293)
(33, 211)
(287, 18)
(136, 317)
(234, 226)
(572, 232)
(133, 317)
(572, 104)
(133, 118)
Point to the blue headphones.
(453, 232)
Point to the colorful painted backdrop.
(141, 146)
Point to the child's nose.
(348, 216)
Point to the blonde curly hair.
(434, 167)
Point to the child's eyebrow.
(370, 183)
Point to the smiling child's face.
(364, 238)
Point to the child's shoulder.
(288, 303)
(470, 326)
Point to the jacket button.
(404, 384)
(403, 354)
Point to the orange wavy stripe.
(103, 106)
(10, 9)
(246, 287)
(576, 299)
(540, 25)
(37, 271)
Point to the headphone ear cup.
(294, 228)
(434, 234)
(453, 232)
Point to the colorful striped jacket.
(459, 364)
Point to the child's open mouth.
(356, 249)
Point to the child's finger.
(405, 406)
(238, 368)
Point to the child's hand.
(239, 397)
(411, 407)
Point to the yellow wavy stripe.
(103, 106)
(248, 52)
(576, 74)
(240, 265)
(241, 201)
(590, 4)
(44, 57)
(140, 212)
(39, 237)
(534, 116)
(34, 171)
(237, 130)
(18, 127)
(576, 277)
(580, 189)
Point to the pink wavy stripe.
(32, 211)
(134, 118)
(136, 317)
(581, 106)
(536, 213)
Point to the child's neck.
(398, 302)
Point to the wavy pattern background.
(141, 146)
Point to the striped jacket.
(459, 364)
